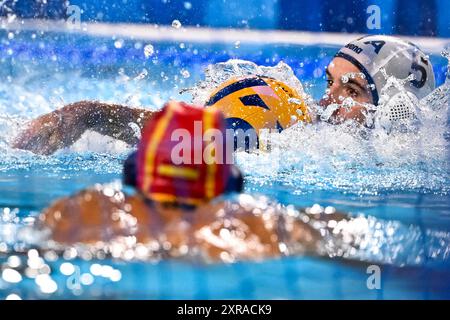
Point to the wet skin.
(357, 89)
(63, 127)
(214, 229)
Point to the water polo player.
(358, 71)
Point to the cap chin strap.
(129, 170)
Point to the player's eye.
(351, 92)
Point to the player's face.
(338, 89)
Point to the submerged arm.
(61, 128)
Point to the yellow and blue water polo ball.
(257, 103)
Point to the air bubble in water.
(188, 5)
(237, 44)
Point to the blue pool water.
(394, 180)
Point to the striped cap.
(177, 161)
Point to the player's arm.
(62, 127)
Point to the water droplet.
(11, 276)
(118, 43)
(187, 5)
(294, 119)
(86, 279)
(316, 209)
(14, 261)
(148, 50)
(115, 276)
(96, 269)
(237, 44)
(295, 101)
(11, 17)
(67, 268)
(142, 75)
(330, 210)
(13, 296)
(46, 284)
(185, 73)
(176, 24)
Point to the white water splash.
(216, 74)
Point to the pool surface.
(403, 181)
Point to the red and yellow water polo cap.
(177, 160)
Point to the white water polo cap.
(399, 58)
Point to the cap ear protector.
(129, 170)
(398, 113)
(235, 181)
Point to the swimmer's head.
(256, 103)
(356, 72)
(182, 157)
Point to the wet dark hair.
(235, 181)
